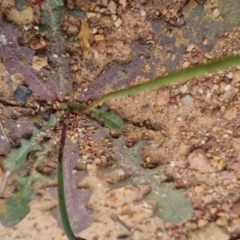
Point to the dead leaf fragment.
(112, 6)
(21, 18)
(83, 37)
(123, 3)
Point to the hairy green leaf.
(110, 119)
(171, 204)
(16, 206)
(20, 4)
(17, 159)
(130, 157)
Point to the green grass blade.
(61, 194)
(175, 77)
(62, 204)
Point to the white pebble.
(200, 90)
(227, 87)
(184, 88)
(179, 119)
(229, 75)
(172, 164)
(143, 13)
(208, 95)
(187, 100)
(216, 13)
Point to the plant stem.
(175, 77)
(61, 194)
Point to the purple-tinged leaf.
(76, 199)
(63, 82)
(18, 59)
(18, 129)
(119, 75)
(4, 144)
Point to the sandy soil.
(190, 132)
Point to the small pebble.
(236, 77)
(229, 75)
(198, 189)
(202, 222)
(137, 235)
(98, 37)
(118, 22)
(143, 13)
(205, 41)
(186, 64)
(90, 14)
(180, 21)
(222, 86)
(216, 13)
(236, 208)
(179, 119)
(183, 88)
(198, 160)
(123, 3)
(123, 237)
(222, 221)
(209, 231)
(230, 113)
(22, 94)
(190, 47)
(187, 100)
(227, 87)
(112, 6)
(163, 96)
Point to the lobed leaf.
(20, 4)
(75, 199)
(53, 12)
(16, 207)
(110, 119)
(17, 158)
(171, 204)
(13, 56)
